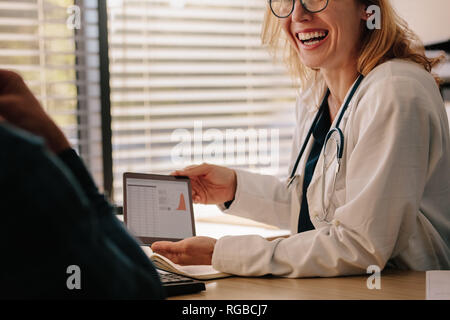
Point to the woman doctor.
(370, 163)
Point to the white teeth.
(311, 35)
(311, 43)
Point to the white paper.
(438, 285)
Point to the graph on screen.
(181, 203)
(158, 208)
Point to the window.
(58, 59)
(191, 83)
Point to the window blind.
(58, 60)
(194, 70)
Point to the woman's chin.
(312, 64)
(311, 61)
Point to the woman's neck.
(339, 82)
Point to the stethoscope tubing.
(336, 128)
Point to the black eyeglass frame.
(293, 7)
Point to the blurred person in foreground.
(55, 223)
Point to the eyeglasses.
(284, 8)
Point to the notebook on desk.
(199, 272)
(159, 207)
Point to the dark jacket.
(54, 217)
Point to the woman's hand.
(211, 184)
(190, 251)
(20, 108)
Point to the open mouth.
(312, 38)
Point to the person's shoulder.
(401, 71)
(21, 146)
(401, 80)
(398, 89)
(13, 137)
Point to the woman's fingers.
(160, 246)
(210, 184)
(194, 250)
(194, 170)
(180, 258)
(198, 190)
(171, 250)
(199, 195)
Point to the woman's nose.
(300, 14)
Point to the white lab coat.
(391, 201)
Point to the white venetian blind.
(187, 78)
(58, 62)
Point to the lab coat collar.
(312, 95)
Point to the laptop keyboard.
(167, 277)
(175, 284)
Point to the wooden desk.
(395, 285)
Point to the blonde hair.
(393, 40)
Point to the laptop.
(159, 208)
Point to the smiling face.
(328, 39)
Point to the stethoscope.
(334, 134)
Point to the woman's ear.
(372, 17)
(365, 13)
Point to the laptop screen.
(158, 207)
